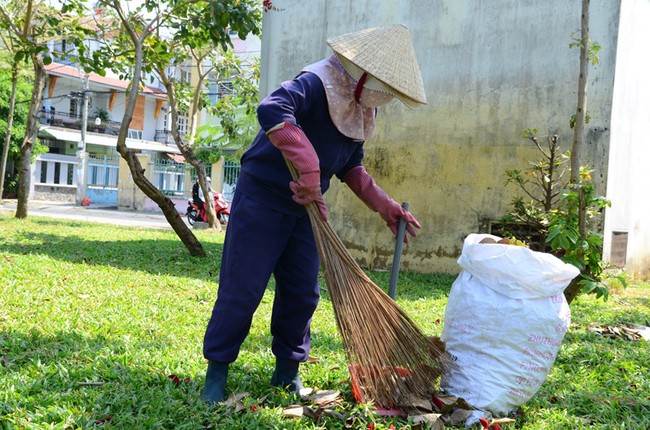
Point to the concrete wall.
(52, 193)
(630, 152)
(490, 69)
(129, 196)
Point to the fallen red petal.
(104, 421)
(437, 403)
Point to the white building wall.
(117, 114)
(629, 154)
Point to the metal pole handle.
(399, 244)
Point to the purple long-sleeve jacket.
(264, 176)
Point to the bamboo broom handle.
(327, 231)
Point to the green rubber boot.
(214, 390)
(286, 376)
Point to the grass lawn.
(102, 327)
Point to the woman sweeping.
(318, 121)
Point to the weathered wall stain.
(490, 71)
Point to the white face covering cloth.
(374, 97)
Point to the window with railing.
(217, 89)
(55, 170)
(182, 123)
(57, 173)
(226, 88)
(213, 92)
(231, 171)
(43, 175)
(69, 177)
(135, 134)
(75, 109)
(171, 178)
(166, 120)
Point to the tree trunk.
(186, 147)
(572, 291)
(210, 212)
(166, 205)
(31, 130)
(581, 111)
(10, 122)
(578, 138)
(208, 198)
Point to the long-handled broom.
(392, 360)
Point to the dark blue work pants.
(260, 242)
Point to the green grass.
(94, 319)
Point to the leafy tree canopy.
(23, 95)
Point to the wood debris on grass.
(626, 331)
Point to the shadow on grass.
(71, 380)
(162, 252)
(166, 253)
(155, 256)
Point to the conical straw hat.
(387, 54)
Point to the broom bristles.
(392, 359)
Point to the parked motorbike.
(221, 209)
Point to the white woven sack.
(504, 323)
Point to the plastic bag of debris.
(504, 323)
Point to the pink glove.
(296, 147)
(376, 199)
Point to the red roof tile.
(59, 69)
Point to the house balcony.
(165, 136)
(74, 122)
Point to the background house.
(491, 70)
(105, 176)
(55, 173)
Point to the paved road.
(102, 214)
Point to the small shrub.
(549, 220)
